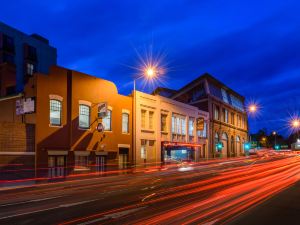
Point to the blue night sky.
(253, 46)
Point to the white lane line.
(42, 210)
(29, 201)
(113, 215)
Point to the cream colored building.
(165, 130)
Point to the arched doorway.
(238, 146)
(225, 144)
(231, 150)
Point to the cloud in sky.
(252, 46)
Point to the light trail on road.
(210, 192)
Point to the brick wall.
(16, 137)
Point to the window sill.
(164, 132)
(147, 130)
(108, 131)
(126, 133)
(84, 129)
(57, 126)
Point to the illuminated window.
(217, 111)
(143, 118)
(107, 121)
(55, 112)
(173, 124)
(84, 116)
(203, 133)
(183, 126)
(125, 123)
(29, 69)
(191, 126)
(163, 122)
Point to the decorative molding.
(83, 102)
(56, 97)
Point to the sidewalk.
(282, 209)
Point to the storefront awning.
(180, 144)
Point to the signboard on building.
(102, 109)
(100, 127)
(25, 106)
(200, 124)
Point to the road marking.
(211, 222)
(29, 201)
(148, 196)
(113, 215)
(42, 210)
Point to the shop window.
(143, 149)
(203, 133)
(81, 162)
(125, 123)
(55, 112)
(107, 121)
(84, 116)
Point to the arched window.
(55, 112)
(107, 121)
(84, 116)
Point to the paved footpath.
(282, 209)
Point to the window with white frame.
(173, 124)
(107, 121)
(84, 116)
(143, 118)
(151, 115)
(55, 112)
(163, 122)
(178, 124)
(178, 130)
(191, 126)
(226, 116)
(125, 123)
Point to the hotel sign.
(200, 124)
(25, 106)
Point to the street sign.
(102, 109)
(200, 124)
(100, 127)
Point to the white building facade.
(168, 131)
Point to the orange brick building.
(64, 124)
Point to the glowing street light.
(296, 123)
(252, 108)
(150, 72)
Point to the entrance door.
(100, 163)
(123, 158)
(56, 166)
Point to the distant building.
(21, 55)
(228, 125)
(166, 130)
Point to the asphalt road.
(212, 192)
